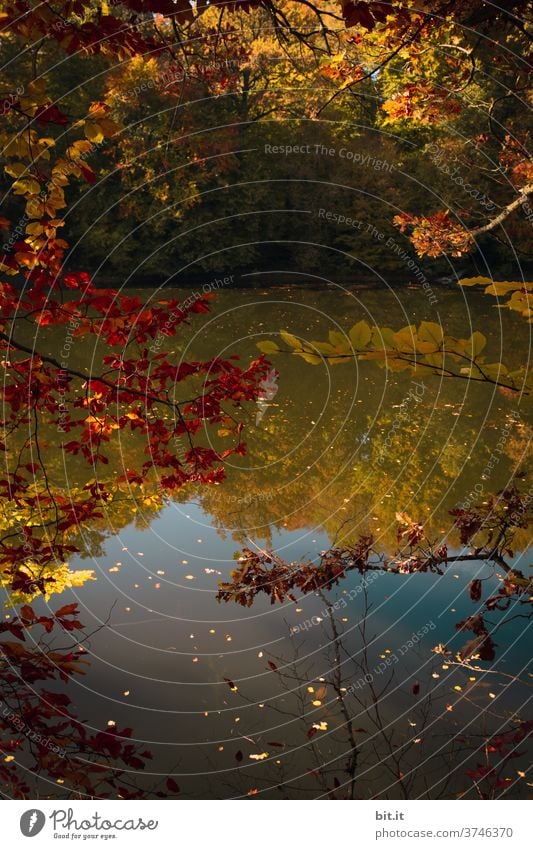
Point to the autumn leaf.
(360, 335)
(474, 589)
(268, 347)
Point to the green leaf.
(268, 347)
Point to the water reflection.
(247, 702)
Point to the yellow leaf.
(476, 343)
(79, 148)
(426, 347)
(35, 228)
(398, 365)
(430, 331)
(502, 288)
(27, 186)
(403, 518)
(59, 177)
(360, 335)
(475, 281)
(383, 337)
(313, 359)
(338, 340)
(289, 339)
(405, 339)
(383, 354)
(93, 132)
(16, 169)
(495, 370)
(322, 348)
(268, 347)
(436, 360)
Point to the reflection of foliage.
(314, 467)
(330, 474)
(133, 396)
(72, 139)
(520, 300)
(42, 731)
(487, 529)
(33, 580)
(350, 721)
(346, 721)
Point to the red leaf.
(51, 115)
(358, 13)
(67, 610)
(87, 173)
(474, 589)
(172, 786)
(27, 613)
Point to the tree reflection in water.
(352, 710)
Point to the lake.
(268, 700)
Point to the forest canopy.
(180, 111)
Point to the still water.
(237, 701)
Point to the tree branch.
(525, 191)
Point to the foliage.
(40, 724)
(486, 529)
(71, 139)
(177, 128)
(426, 348)
(520, 299)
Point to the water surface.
(336, 453)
